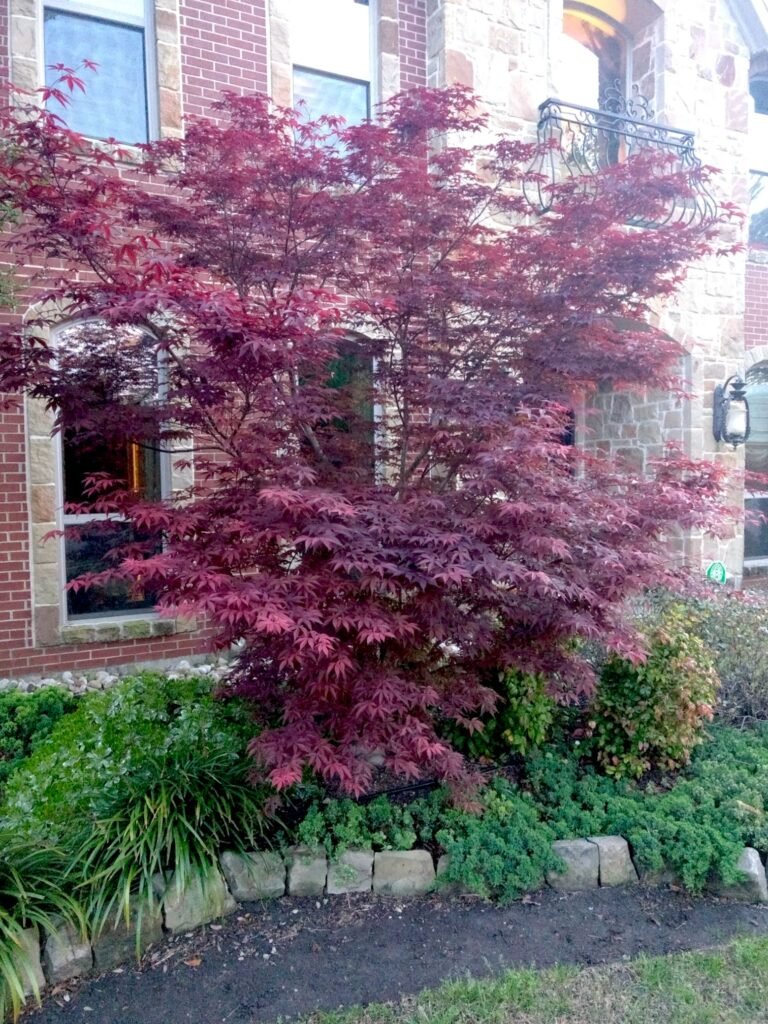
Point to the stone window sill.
(124, 629)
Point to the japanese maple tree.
(368, 347)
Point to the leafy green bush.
(735, 631)
(31, 892)
(380, 824)
(25, 720)
(501, 853)
(651, 715)
(521, 722)
(150, 777)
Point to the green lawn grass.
(728, 985)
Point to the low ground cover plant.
(26, 719)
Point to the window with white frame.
(91, 541)
(118, 35)
(331, 55)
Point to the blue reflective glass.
(115, 103)
(329, 94)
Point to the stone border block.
(403, 873)
(582, 865)
(116, 944)
(752, 887)
(254, 876)
(616, 867)
(66, 954)
(204, 898)
(307, 871)
(27, 962)
(352, 871)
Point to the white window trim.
(146, 24)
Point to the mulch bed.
(290, 957)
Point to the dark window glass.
(91, 547)
(756, 528)
(137, 465)
(331, 95)
(115, 103)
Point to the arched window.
(756, 465)
(595, 62)
(595, 54)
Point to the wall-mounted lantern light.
(730, 413)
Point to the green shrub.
(339, 825)
(502, 852)
(521, 722)
(31, 892)
(651, 715)
(689, 828)
(25, 720)
(150, 777)
(735, 631)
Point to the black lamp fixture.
(730, 412)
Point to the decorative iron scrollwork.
(580, 142)
(636, 106)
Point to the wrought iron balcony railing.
(583, 141)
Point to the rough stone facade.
(691, 59)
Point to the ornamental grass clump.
(32, 895)
(146, 780)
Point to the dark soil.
(290, 957)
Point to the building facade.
(688, 76)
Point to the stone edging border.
(306, 871)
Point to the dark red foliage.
(379, 541)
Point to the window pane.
(758, 208)
(327, 94)
(87, 549)
(756, 528)
(115, 103)
(137, 465)
(589, 82)
(332, 36)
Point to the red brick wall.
(756, 321)
(223, 46)
(15, 583)
(413, 43)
